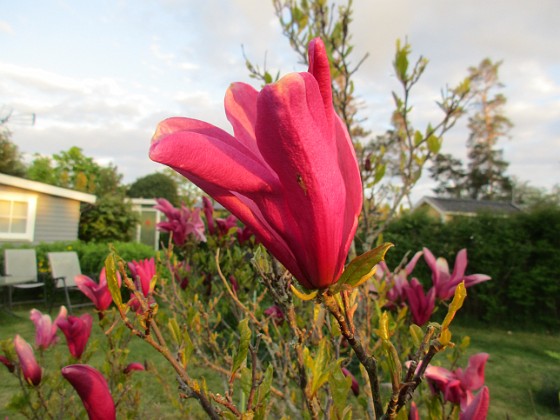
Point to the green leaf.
(320, 369)
(246, 380)
(416, 333)
(401, 61)
(418, 137)
(244, 339)
(112, 281)
(379, 172)
(361, 268)
(395, 366)
(189, 346)
(174, 329)
(266, 384)
(339, 385)
(434, 144)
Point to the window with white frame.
(17, 216)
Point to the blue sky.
(100, 75)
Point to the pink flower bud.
(92, 388)
(31, 370)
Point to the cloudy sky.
(101, 75)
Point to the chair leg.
(10, 289)
(68, 299)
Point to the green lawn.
(523, 372)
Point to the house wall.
(56, 218)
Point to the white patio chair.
(20, 272)
(65, 266)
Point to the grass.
(523, 372)
(154, 399)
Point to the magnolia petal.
(478, 407)
(431, 261)
(460, 265)
(93, 390)
(31, 370)
(134, 366)
(473, 279)
(473, 376)
(409, 268)
(241, 111)
(320, 68)
(289, 125)
(87, 286)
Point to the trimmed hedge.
(92, 255)
(521, 253)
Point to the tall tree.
(11, 162)
(157, 185)
(450, 174)
(486, 178)
(72, 169)
(484, 175)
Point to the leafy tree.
(110, 219)
(488, 124)
(72, 169)
(11, 162)
(450, 174)
(157, 185)
(530, 197)
(42, 169)
(484, 176)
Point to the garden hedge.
(521, 253)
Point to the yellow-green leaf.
(361, 268)
(244, 339)
(112, 281)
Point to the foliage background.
(521, 253)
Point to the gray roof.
(467, 206)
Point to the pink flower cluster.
(182, 223)
(411, 293)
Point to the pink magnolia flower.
(421, 305)
(457, 386)
(181, 274)
(413, 414)
(399, 281)
(45, 329)
(244, 235)
(134, 366)
(445, 283)
(209, 213)
(289, 172)
(355, 386)
(478, 407)
(181, 222)
(77, 331)
(98, 293)
(234, 284)
(276, 313)
(93, 390)
(142, 272)
(31, 370)
(8, 363)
